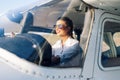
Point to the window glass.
(111, 44)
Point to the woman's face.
(61, 28)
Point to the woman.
(68, 47)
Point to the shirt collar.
(67, 41)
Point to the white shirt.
(70, 49)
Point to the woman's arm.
(70, 52)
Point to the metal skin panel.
(100, 72)
(109, 5)
(15, 68)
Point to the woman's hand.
(55, 59)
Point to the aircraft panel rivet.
(47, 76)
(26, 71)
(34, 73)
(53, 77)
(74, 76)
(64, 76)
(58, 76)
(70, 76)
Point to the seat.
(110, 42)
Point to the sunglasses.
(60, 26)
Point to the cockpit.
(36, 33)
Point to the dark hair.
(69, 23)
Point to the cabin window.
(111, 44)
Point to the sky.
(6, 5)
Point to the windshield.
(10, 18)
